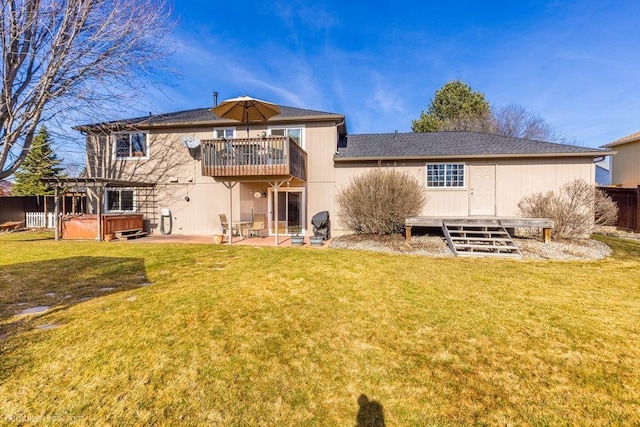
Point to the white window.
(295, 133)
(119, 200)
(131, 145)
(445, 175)
(226, 133)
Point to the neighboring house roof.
(630, 138)
(204, 116)
(443, 145)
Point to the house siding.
(195, 201)
(520, 178)
(625, 165)
(515, 179)
(179, 176)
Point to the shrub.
(378, 202)
(575, 209)
(605, 209)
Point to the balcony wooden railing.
(253, 157)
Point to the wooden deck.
(247, 158)
(545, 224)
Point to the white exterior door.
(482, 190)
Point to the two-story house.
(200, 164)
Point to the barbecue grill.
(321, 225)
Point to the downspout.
(338, 133)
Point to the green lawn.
(206, 334)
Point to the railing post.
(56, 210)
(287, 154)
(637, 230)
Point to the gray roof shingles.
(201, 115)
(386, 145)
(449, 144)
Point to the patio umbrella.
(246, 110)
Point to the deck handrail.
(242, 157)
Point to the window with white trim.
(130, 145)
(226, 133)
(445, 175)
(295, 133)
(119, 200)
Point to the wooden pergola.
(63, 185)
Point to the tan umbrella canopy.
(246, 110)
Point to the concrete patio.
(283, 241)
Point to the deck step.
(134, 233)
(465, 233)
(479, 238)
(490, 254)
(472, 226)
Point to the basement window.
(445, 175)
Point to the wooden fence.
(15, 208)
(628, 201)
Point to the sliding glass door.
(291, 208)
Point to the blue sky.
(576, 63)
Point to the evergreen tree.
(455, 106)
(41, 162)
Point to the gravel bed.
(420, 245)
(584, 249)
(435, 246)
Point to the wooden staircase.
(479, 237)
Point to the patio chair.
(257, 226)
(225, 225)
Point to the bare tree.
(66, 55)
(483, 123)
(515, 121)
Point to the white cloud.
(385, 99)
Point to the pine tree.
(41, 162)
(455, 106)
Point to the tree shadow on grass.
(59, 284)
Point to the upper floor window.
(295, 133)
(226, 133)
(445, 175)
(131, 145)
(119, 200)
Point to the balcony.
(245, 159)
